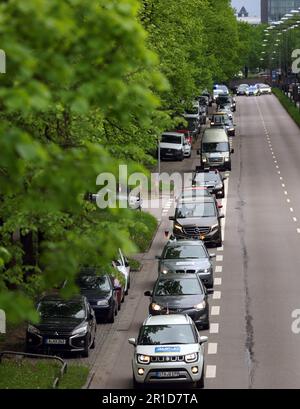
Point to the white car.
(252, 90)
(122, 265)
(171, 146)
(187, 149)
(169, 349)
(264, 89)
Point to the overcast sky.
(252, 6)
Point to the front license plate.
(55, 341)
(174, 374)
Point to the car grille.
(167, 358)
(194, 231)
(186, 271)
(56, 333)
(167, 150)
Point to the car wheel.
(206, 326)
(86, 351)
(200, 383)
(94, 342)
(181, 157)
(229, 167)
(219, 242)
(111, 317)
(223, 194)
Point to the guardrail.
(62, 370)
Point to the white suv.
(168, 349)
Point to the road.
(257, 282)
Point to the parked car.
(187, 257)
(221, 119)
(226, 102)
(212, 180)
(198, 219)
(180, 294)
(65, 326)
(191, 128)
(122, 265)
(169, 349)
(101, 291)
(172, 146)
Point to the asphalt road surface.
(257, 277)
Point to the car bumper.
(38, 343)
(171, 155)
(153, 371)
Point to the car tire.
(94, 342)
(200, 383)
(86, 351)
(206, 326)
(223, 194)
(219, 243)
(229, 167)
(111, 316)
(181, 157)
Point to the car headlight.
(205, 271)
(200, 306)
(226, 159)
(219, 186)
(155, 307)
(214, 227)
(102, 302)
(165, 271)
(143, 359)
(80, 331)
(191, 357)
(204, 159)
(33, 330)
(177, 227)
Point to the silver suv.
(168, 349)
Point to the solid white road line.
(212, 348)
(211, 371)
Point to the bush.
(289, 106)
(143, 230)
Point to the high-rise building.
(273, 10)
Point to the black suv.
(198, 219)
(212, 180)
(65, 326)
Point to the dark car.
(187, 257)
(226, 101)
(65, 326)
(198, 219)
(180, 295)
(212, 180)
(221, 119)
(101, 293)
(198, 191)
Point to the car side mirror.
(232, 151)
(172, 218)
(158, 257)
(117, 287)
(203, 339)
(132, 341)
(148, 293)
(212, 255)
(222, 216)
(220, 206)
(224, 178)
(209, 291)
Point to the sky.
(252, 6)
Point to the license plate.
(174, 374)
(55, 341)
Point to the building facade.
(273, 10)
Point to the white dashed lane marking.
(214, 328)
(215, 310)
(211, 371)
(217, 295)
(219, 269)
(212, 348)
(219, 258)
(218, 281)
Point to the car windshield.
(192, 111)
(183, 252)
(176, 287)
(166, 335)
(171, 139)
(195, 193)
(215, 147)
(93, 282)
(61, 309)
(204, 209)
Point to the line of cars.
(169, 348)
(254, 90)
(70, 325)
